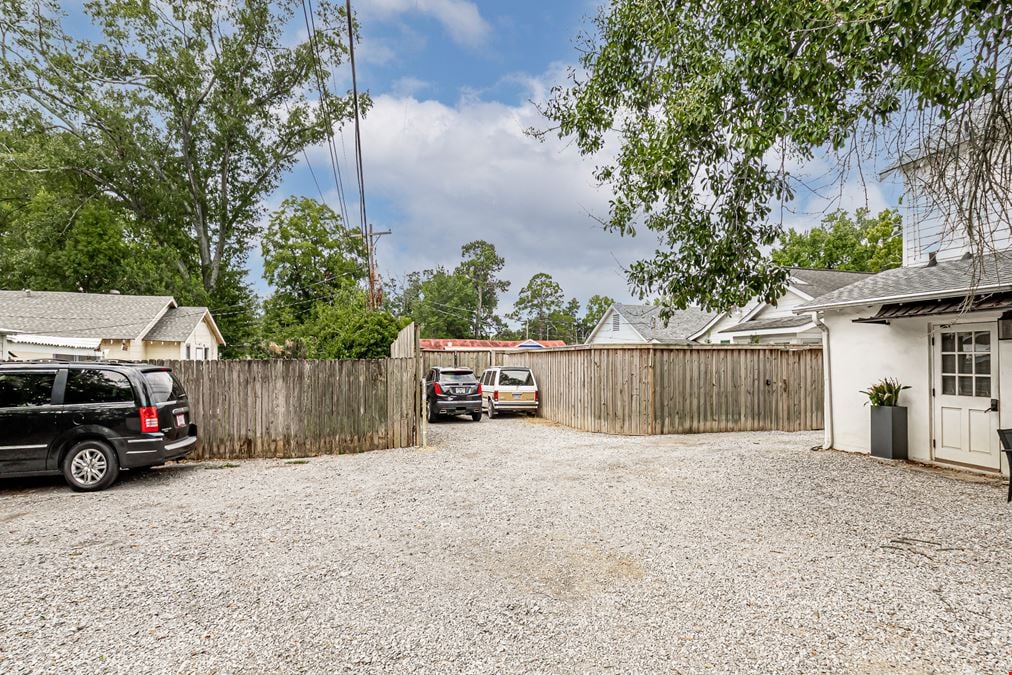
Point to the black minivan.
(88, 420)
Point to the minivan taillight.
(495, 395)
(537, 395)
(437, 390)
(149, 418)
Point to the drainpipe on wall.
(827, 383)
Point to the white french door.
(965, 385)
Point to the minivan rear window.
(164, 386)
(456, 376)
(23, 390)
(516, 378)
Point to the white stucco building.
(934, 325)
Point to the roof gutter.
(827, 384)
(927, 295)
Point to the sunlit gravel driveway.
(515, 545)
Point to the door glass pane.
(983, 386)
(966, 386)
(949, 385)
(965, 342)
(965, 363)
(948, 342)
(983, 364)
(948, 363)
(982, 341)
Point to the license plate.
(181, 420)
(517, 396)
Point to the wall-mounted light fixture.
(1005, 326)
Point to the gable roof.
(944, 279)
(110, 316)
(178, 323)
(816, 282)
(647, 321)
(772, 323)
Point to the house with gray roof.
(941, 325)
(643, 324)
(775, 322)
(78, 326)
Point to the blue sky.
(447, 160)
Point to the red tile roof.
(449, 344)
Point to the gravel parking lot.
(515, 545)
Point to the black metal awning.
(906, 310)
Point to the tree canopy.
(181, 115)
(861, 243)
(708, 108)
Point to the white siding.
(788, 301)
(607, 335)
(927, 228)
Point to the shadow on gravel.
(127, 479)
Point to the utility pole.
(368, 234)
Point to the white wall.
(606, 334)
(201, 337)
(862, 354)
(788, 301)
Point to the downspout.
(827, 384)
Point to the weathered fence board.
(657, 389)
(287, 408)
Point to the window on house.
(966, 363)
(616, 321)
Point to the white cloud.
(450, 174)
(409, 87)
(460, 18)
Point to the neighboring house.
(642, 324)
(941, 324)
(465, 344)
(88, 326)
(776, 323)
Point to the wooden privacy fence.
(655, 389)
(282, 408)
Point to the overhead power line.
(310, 20)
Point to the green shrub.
(885, 393)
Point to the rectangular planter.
(889, 432)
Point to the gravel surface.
(515, 545)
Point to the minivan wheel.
(491, 409)
(90, 466)
(431, 415)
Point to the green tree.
(442, 303)
(597, 305)
(708, 100)
(309, 253)
(538, 301)
(184, 114)
(339, 327)
(481, 264)
(859, 244)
